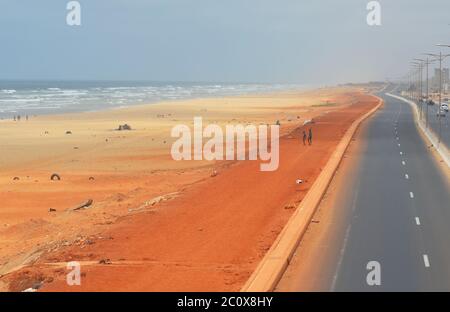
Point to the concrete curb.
(431, 136)
(272, 267)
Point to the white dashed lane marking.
(426, 261)
(406, 176)
(403, 162)
(417, 221)
(401, 153)
(411, 194)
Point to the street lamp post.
(439, 57)
(418, 78)
(427, 63)
(428, 92)
(421, 85)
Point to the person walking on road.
(310, 136)
(304, 137)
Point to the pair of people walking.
(17, 118)
(307, 137)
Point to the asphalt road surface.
(392, 207)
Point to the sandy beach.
(155, 224)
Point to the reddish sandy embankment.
(156, 224)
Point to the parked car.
(444, 107)
(430, 102)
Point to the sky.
(266, 41)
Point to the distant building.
(445, 79)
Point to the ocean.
(53, 97)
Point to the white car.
(440, 112)
(444, 107)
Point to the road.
(389, 203)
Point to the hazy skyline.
(287, 41)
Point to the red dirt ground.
(211, 237)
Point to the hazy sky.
(297, 41)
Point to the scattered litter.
(91, 178)
(124, 127)
(33, 288)
(51, 210)
(105, 261)
(289, 206)
(68, 132)
(299, 181)
(154, 201)
(16, 178)
(84, 205)
(214, 173)
(55, 176)
(89, 242)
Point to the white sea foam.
(9, 91)
(52, 98)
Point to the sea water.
(50, 97)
